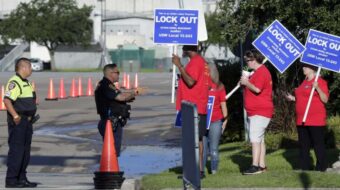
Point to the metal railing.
(10, 57)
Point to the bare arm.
(322, 95)
(245, 82)
(225, 114)
(11, 110)
(185, 76)
(126, 96)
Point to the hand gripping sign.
(323, 51)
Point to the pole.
(310, 97)
(174, 51)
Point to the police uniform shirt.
(105, 94)
(22, 95)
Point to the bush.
(276, 141)
(333, 132)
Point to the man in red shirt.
(194, 87)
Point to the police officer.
(20, 101)
(112, 104)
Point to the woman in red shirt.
(259, 107)
(218, 117)
(312, 131)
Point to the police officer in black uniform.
(21, 107)
(112, 104)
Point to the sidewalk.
(67, 181)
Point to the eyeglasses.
(117, 72)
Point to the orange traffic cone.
(127, 82)
(108, 161)
(51, 93)
(62, 93)
(89, 91)
(109, 176)
(80, 87)
(36, 94)
(124, 80)
(73, 91)
(2, 104)
(136, 81)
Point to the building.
(121, 24)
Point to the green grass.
(234, 158)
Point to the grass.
(234, 158)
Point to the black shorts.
(202, 126)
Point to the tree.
(49, 23)
(241, 18)
(214, 27)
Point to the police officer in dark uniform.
(20, 101)
(112, 104)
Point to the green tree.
(244, 20)
(49, 23)
(214, 26)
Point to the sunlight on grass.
(234, 159)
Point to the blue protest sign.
(279, 46)
(322, 50)
(178, 120)
(210, 107)
(175, 26)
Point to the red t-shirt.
(219, 95)
(262, 103)
(198, 70)
(317, 111)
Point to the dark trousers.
(19, 141)
(117, 133)
(312, 137)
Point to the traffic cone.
(109, 176)
(80, 87)
(51, 93)
(2, 104)
(36, 94)
(73, 91)
(124, 80)
(89, 91)
(127, 82)
(136, 81)
(109, 162)
(62, 93)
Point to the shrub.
(333, 132)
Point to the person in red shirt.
(193, 87)
(313, 130)
(259, 107)
(218, 117)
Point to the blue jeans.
(211, 144)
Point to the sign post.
(323, 51)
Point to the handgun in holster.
(35, 118)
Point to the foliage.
(234, 158)
(243, 21)
(214, 27)
(229, 76)
(49, 23)
(333, 132)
